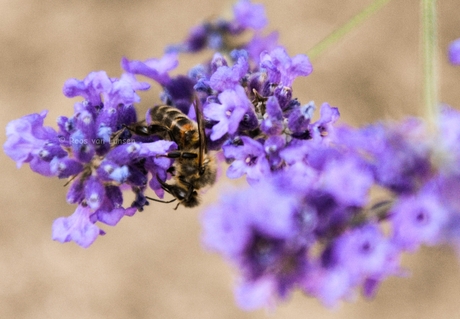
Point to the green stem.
(430, 60)
(332, 38)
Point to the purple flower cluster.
(98, 148)
(307, 221)
(84, 150)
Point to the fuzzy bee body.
(193, 168)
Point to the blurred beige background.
(152, 265)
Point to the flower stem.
(346, 28)
(430, 60)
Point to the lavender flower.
(307, 221)
(417, 220)
(249, 159)
(78, 228)
(257, 234)
(282, 69)
(226, 78)
(228, 113)
(28, 141)
(248, 15)
(259, 44)
(156, 69)
(85, 151)
(454, 52)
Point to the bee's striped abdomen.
(181, 127)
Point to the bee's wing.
(201, 133)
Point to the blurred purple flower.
(417, 220)
(255, 230)
(248, 15)
(259, 44)
(454, 52)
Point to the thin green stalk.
(346, 28)
(430, 60)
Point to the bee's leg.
(165, 186)
(137, 128)
(171, 170)
(179, 154)
(161, 201)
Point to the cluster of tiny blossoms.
(307, 220)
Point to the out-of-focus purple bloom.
(197, 39)
(447, 147)
(248, 159)
(417, 220)
(398, 153)
(329, 285)
(156, 69)
(233, 105)
(365, 252)
(259, 44)
(261, 293)
(348, 180)
(454, 52)
(248, 15)
(255, 229)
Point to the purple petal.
(156, 69)
(65, 167)
(94, 192)
(236, 170)
(252, 295)
(160, 147)
(77, 228)
(26, 137)
(112, 217)
(301, 66)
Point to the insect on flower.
(194, 167)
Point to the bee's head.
(192, 200)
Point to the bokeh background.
(153, 264)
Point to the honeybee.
(193, 168)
